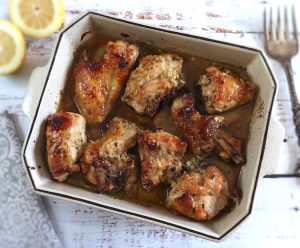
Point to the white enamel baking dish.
(43, 95)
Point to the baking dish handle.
(34, 89)
(272, 148)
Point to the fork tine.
(271, 27)
(295, 31)
(266, 32)
(286, 22)
(279, 33)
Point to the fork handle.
(295, 102)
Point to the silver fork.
(282, 45)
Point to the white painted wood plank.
(290, 151)
(14, 85)
(232, 15)
(274, 222)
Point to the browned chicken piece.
(131, 186)
(200, 196)
(156, 78)
(203, 133)
(97, 86)
(106, 161)
(160, 155)
(65, 135)
(222, 91)
(229, 147)
(198, 130)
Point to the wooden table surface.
(275, 219)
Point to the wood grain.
(274, 222)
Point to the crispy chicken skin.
(97, 86)
(106, 162)
(229, 147)
(198, 130)
(156, 78)
(65, 135)
(204, 133)
(160, 155)
(200, 196)
(222, 91)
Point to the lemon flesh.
(37, 18)
(12, 47)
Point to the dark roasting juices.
(238, 119)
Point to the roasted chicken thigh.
(160, 155)
(222, 91)
(97, 86)
(228, 147)
(156, 78)
(106, 161)
(204, 133)
(65, 135)
(198, 130)
(200, 196)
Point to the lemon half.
(37, 18)
(12, 47)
